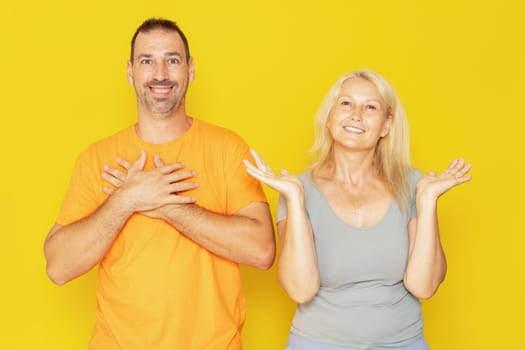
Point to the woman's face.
(358, 119)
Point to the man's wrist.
(119, 201)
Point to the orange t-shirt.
(156, 289)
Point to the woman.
(359, 232)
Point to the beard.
(160, 105)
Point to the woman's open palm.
(285, 183)
(436, 184)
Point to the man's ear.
(129, 72)
(191, 69)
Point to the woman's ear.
(386, 127)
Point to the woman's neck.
(349, 167)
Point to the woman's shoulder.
(306, 178)
(414, 174)
(305, 175)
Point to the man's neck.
(162, 129)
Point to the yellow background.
(262, 69)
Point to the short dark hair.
(162, 24)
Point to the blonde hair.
(392, 156)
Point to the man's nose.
(161, 71)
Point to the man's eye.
(372, 107)
(145, 61)
(173, 61)
(345, 103)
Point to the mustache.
(164, 82)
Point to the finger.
(464, 170)
(180, 175)
(158, 161)
(256, 173)
(259, 161)
(256, 158)
(460, 180)
(463, 176)
(464, 179)
(176, 199)
(431, 173)
(115, 172)
(185, 200)
(285, 172)
(248, 164)
(183, 186)
(459, 170)
(124, 163)
(459, 164)
(452, 164)
(266, 178)
(259, 174)
(111, 179)
(254, 154)
(108, 190)
(141, 161)
(170, 168)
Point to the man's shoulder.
(106, 142)
(216, 131)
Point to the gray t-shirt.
(362, 301)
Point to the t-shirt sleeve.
(80, 199)
(242, 188)
(415, 175)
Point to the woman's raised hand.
(435, 185)
(285, 183)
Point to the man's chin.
(160, 108)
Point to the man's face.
(160, 71)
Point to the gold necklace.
(355, 201)
(357, 209)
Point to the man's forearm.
(74, 249)
(245, 237)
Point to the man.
(168, 236)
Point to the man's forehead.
(158, 34)
(159, 41)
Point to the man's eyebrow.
(172, 53)
(169, 53)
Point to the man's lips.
(160, 89)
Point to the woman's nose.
(356, 115)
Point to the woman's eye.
(345, 103)
(372, 107)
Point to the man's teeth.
(352, 129)
(160, 90)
